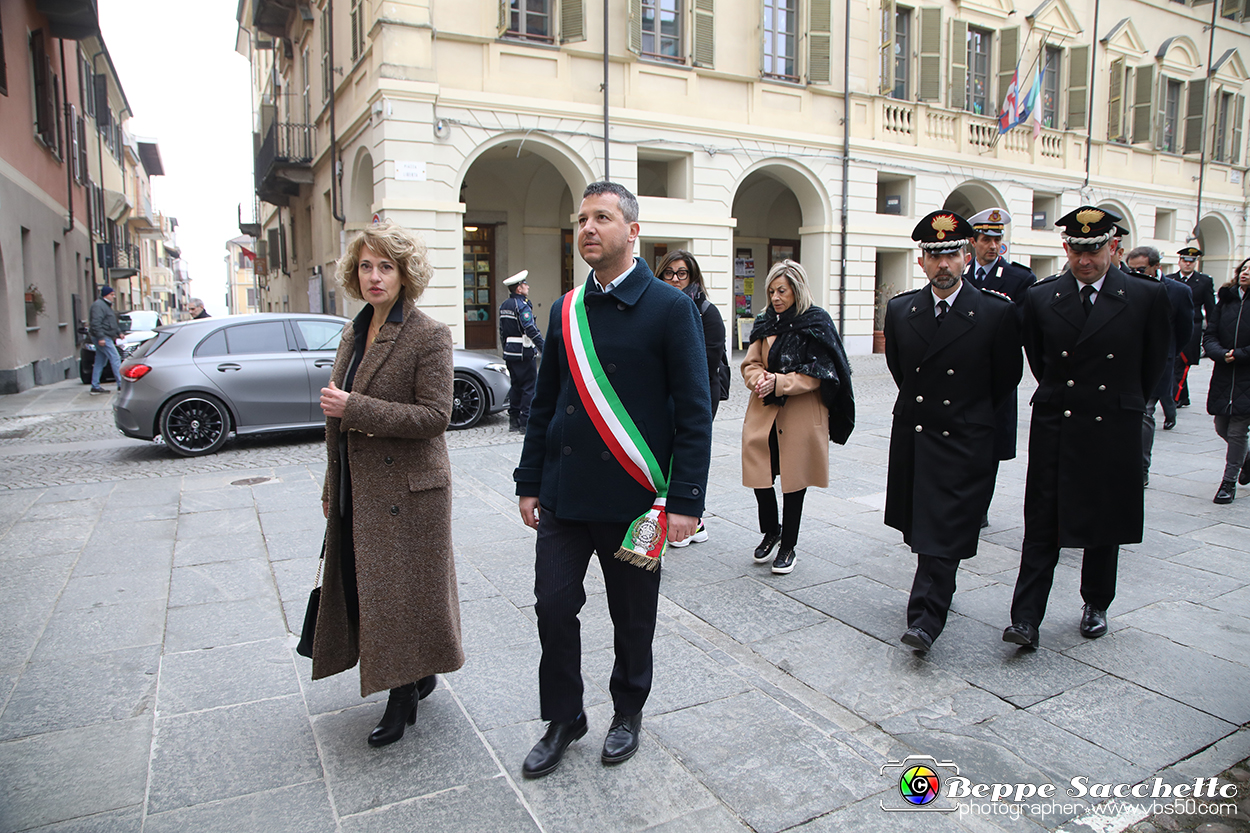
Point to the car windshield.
(139, 319)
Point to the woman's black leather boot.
(401, 709)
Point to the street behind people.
(104, 330)
(801, 398)
(954, 352)
(1203, 288)
(1227, 344)
(623, 350)
(1096, 339)
(522, 345)
(389, 596)
(679, 269)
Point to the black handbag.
(305, 646)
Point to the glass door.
(480, 326)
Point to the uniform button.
(1071, 383)
(611, 368)
(946, 433)
(567, 451)
(946, 402)
(1097, 419)
(603, 455)
(1065, 413)
(917, 370)
(950, 372)
(389, 461)
(919, 398)
(1111, 355)
(394, 510)
(919, 428)
(1064, 354)
(572, 409)
(1102, 387)
(695, 491)
(620, 306)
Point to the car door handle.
(324, 363)
(224, 367)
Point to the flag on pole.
(1032, 101)
(1007, 117)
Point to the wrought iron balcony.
(284, 162)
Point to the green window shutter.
(704, 33)
(1143, 103)
(1115, 102)
(1008, 46)
(1161, 104)
(1193, 116)
(818, 42)
(886, 84)
(572, 20)
(1230, 8)
(505, 16)
(1238, 114)
(930, 80)
(635, 26)
(1078, 87)
(959, 64)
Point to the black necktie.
(980, 276)
(1087, 298)
(943, 308)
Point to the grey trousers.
(1232, 429)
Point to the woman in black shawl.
(801, 399)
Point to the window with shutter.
(1195, 113)
(885, 83)
(820, 34)
(704, 33)
(1223, 114)
(1008, 49)
(102, 113)
(1078, 87)
(526, 20)
(327, 77)
(661, 30)
(86, 91)
(1168, 137)
(959, 64)
(780, 37)
(1230, 9)
(355, 18)
(1050, 87)
(43, 88)
(84, 174)
(1115, 102)
(74, 145)
(573, 20)
(930, 78)
(635, 26)
(1238, 115)
(1143, 103)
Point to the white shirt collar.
(949, 299)
(617, 280)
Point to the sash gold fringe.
(642, 560)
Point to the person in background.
(1203, 289)
(389, 596)
(681, 270)
(798, 375)
(196, 307)
(104, 330)
(522, 344)
(1227, 344)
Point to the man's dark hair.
(1152, 255)
(629, 203)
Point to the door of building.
(480, 322)
(568, 247)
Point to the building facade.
(750, 129)
(242, 291)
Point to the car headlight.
(498, 368)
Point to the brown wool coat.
(802, 428)
(398, 409)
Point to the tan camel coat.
(802, 428)
(395, 417)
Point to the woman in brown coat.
(389, 594)
(794, 367)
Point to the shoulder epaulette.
(908, 292)
(1002, 295)
(1046, 279)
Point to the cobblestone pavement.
(148, 680)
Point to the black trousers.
(931, 592)
(1037, 573)
(523, 375)
(562, 554)
(1181, 380)
(792, 507)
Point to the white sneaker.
(699, 536)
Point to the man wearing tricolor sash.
(615, 462)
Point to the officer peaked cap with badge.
(1088, 228)
(942, 232)
(990, 222)
(1190, 251)
(519, 277)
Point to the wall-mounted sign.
(410, 171)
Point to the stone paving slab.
(148, 680)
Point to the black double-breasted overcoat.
(1202, 287)
(952, 378)
(1084, 483)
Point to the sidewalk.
(148, 680)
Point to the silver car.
(196, 381)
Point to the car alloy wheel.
(468, 402)
(194, 424)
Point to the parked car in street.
(197, 381)
(137, 327)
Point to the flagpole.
(1089, 97)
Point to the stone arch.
(1127, 220)
(576, 172)
(973, 195)
(1216, 239)
(360, 196)
(806, 186)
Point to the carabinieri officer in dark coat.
(522, 344)
(1097, 340)
(1202, 286)
(954, 351)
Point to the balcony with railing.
(284, 161)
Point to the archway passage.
(970, 197)
(518, 215)
(1216, 241)
(360, 201)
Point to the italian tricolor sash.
(646, 539)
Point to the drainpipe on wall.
(1089, 96)
(336, 175)
(1202, 158)
(846, 162)
(607, 162)
(69, 143)
(99, 143)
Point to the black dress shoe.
(426, 686)
(1244, 477)
(1228, 490)
(1169, 424)
(401, 709)
(765, 550)
(917, 638)
(1093, 622)
(622, 740)
(1022, 633)
(784, 562)
(985, 520)
(549, 751)
(1145, 477)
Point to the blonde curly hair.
(398, 245)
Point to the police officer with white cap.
(522, 343)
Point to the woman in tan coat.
(794, 367)
(389, 595)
